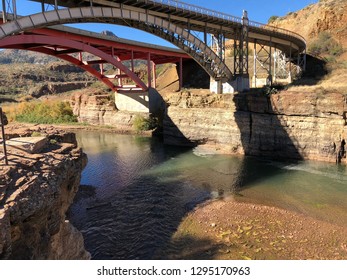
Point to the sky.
(258, 10)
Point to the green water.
(139, 190)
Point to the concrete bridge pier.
(240, 83)
(132, 101)
(149, 101)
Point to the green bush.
(141, 123)
(268, 90)
(325, 44)
(272, 19)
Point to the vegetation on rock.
(325, 44)
(45, 112)
(141, 123)
(272, 19)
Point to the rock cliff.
(98, 109)
(290, 125)
(326, 15)
(36, 191)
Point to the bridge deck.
(203, 20)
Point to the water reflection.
(138, 190)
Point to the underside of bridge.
(92, 53)
(185, 26)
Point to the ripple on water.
(143, 189)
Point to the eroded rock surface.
(99, 109)
(36, 191)
(290, 125)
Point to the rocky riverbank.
(36, 190)
(226, 229)
(287, 125)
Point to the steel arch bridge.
(71, 44)
(175, 22)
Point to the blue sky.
(258, 10)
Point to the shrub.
(36, 134)
(268, 90)
(272, 19)
(46, 112)
(141, 123)
(325, 44)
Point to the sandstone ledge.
(36, 190)
(287, 125)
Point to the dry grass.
(45, 112)
(335, 81)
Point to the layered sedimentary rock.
(99, 109)
(287, 125)
(36, 192)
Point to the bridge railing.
(208, 12)
(197, 9)
(276, 29)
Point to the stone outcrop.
(32, 145)
(291, 125)
(36, 191)
(99, 109)
(56, 88)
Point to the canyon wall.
(286, 125)
(36, 190)
(290, 125)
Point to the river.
(135, 191)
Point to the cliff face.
(326, 15)
(291, 125)
(36, 192)
(96, 109)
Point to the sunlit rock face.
(99, 109)
(36, 191)
(290, 125)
